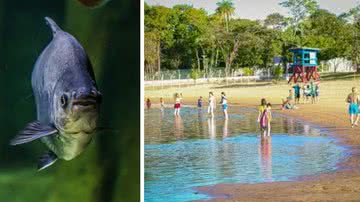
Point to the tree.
(158, 21)
(355, 41)
(187, 37)
(242, 35)
(299, 10)
(353, 29)
(151, 52)
(191, 27)
(326, 31)
(276, 21)
(225, 9)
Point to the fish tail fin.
(52, 24)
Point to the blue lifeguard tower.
(304, 65)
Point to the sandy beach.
(329, 113)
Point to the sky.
(257, 9)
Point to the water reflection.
(162, 111)
(179, 127)
(265, 158)
(193, 150)
(225, 128)
(162, 126)
(200, 123)
(212, 127)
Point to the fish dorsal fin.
(52, 24)
(33, 131)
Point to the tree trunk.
(212, 58)
(228, 66)
(227, 23)
(159, 56)
(205, 61)
(197, 58)
(284, 59)
(216, 57)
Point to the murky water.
(194, 150)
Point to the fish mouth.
(83, 104)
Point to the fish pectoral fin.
(46, 160)
(33, 131)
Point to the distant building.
(338, 65)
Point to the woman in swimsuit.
(177, 106)
(211, 104)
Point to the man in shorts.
(297, 93)
(353, 100)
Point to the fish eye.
(63, 101)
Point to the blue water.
(174, 167)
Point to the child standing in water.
(224, 104)
(211, 104)
(148, 103)
(353, 100)
(177, 106)
(269, 118)
(162, 104)
(264, 117)
(200, 102)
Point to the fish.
(67, 99)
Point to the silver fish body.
(67, 99)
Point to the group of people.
(264, 116)
(311, 91)
(211, 104)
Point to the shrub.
(247, 71)
(195, 74)
(277, 73)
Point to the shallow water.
(194, 150)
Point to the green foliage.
(191, 38)
(195, 74)
(326, 31)
(225, 10)
(247, 71)
(323, 67)
(277, 73)
(276, 21)
(299, 9)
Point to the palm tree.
(225, 9)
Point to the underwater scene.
(82, 144)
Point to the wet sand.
(329, 113)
